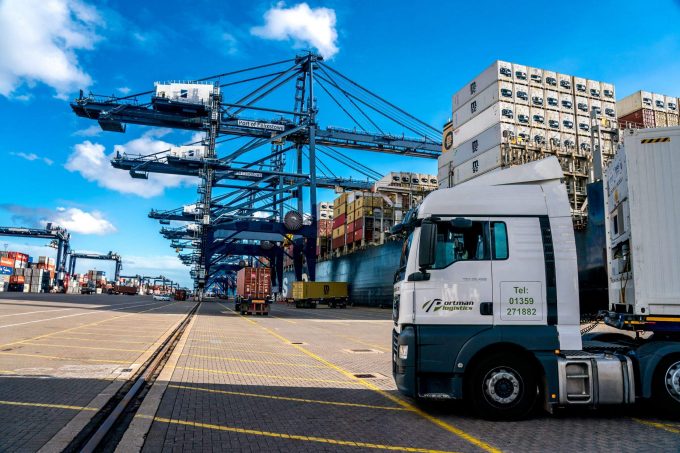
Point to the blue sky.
(416, 54)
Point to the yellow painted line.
(282, 319)
(53, 357)
(664, 426)
(49, 406)
(231, 359)
(85, 347)
(108, 340)
(288, 398)
(71, 329)
(442, 424)
(356, 340)
(346, 443)
(238, 373)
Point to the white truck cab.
(486, 303)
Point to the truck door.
(460, 281)
(518, 268)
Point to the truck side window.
(499, 239)
(461, 244)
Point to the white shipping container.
(479, 123)
(594, 89)
(671, 104)
(582, 107)
(499, 70)
(659, 102)
(580, 86)
(522, 114)
(521, 94)
(553, 120)
(642, 188)
(565, 83)
(192, 93)
(567, 123)
(523, 133)
(566, 102)
(568, 140)
(490, 138)
(537, 97)
(536, 77)
(609, 110)
(583, 125)
(481, 164)
(634, 102)
(539, 136)
(608, 92)
(519, 73)
(595, 104)
(498, 91)
(552, 100)
(537, 117)
(550, 80)
(554, 138)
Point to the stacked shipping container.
(19, 273)
(644, 109)
(254, 283)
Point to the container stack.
(6, 270)
(644, 109)
(512, 114)
(324, 215)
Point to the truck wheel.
(666, 385)
(502, 387)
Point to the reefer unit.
(499, 70)
(644, 206)
(634, 102)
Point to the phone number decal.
(521, 301)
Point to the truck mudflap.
(404, 360)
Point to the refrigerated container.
(641, 183)
(523, 134)
(496, 92)
(537, 97)
(566, 102)
(480, 123)
(581, 107)
(634, 102)
(498, 70)
(595, 104)
(609, 110)
(521, 94)
(485, 162)
(539, 136)
(490, 138)
(673, 120)
(537, 117)
(519, 73)
(523, 115)
(552, 100)
(672, 104)
(565, 83)
(550, 80)
(658, 102)
(608, 92)
(553, 120)
(580, 86)
(594, 89)
(569, 140)
(554, 138)
(536, 77)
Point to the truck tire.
(666, 385)
(502, 386)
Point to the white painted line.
(32, 312)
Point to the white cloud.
(91, 161)
(78, 221)
(306, 26)
(33, 156)
(91, 131)
(39, 40)
(124, 90)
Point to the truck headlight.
(403, 351)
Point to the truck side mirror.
(428, 243)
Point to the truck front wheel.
(502, 387)
(667, 385)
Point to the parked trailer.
(121, 289)
(486, 303)
(310, 294)
(253, 290)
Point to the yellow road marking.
(664, 426)
(250, 351)
(53, 357)
(347, 443)
(89, 324)
(442, 424)
(50, 406)
(238, 373)
(288, 398)
(282, 319)
(356, 340)
(108, 340)
(85, 347)
(120, 334)
(231, 359)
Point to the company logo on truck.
(447, 305)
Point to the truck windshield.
(461, 244)
(406, 247)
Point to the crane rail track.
(107, 427)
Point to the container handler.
(486, 301)
(310, 294)
(253, 291)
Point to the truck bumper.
(404, 369)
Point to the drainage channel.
(107, 427)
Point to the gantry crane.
(266, 201)
(55, 233)
(96, 256)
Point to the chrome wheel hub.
(673, 381)
(502, 385)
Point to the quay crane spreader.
(273, 159)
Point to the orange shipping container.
(6, 261)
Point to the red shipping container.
(17, 279)
(350, 229)
(359, 235)
(339, 221)
(338, 243)
(641, 118)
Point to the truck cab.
(486, 302)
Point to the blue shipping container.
(4, 270)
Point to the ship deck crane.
(96, 256)
(55, 233)
(242, 124)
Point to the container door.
(518, 266)
(460, 286)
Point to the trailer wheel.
(666, 385)
(502, 386)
